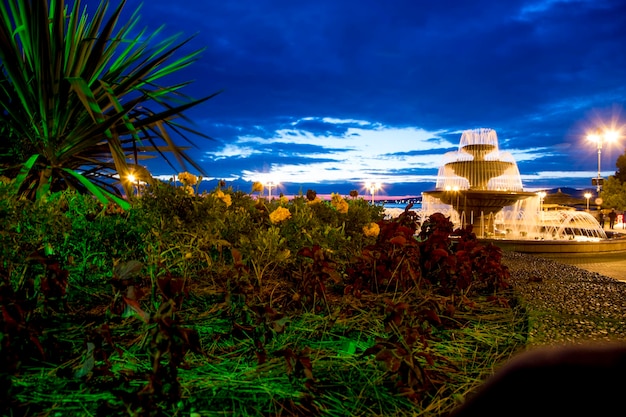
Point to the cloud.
(351, 90)
(327, 150)
(331, 149)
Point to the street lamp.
(599, 138)
(269, 186)
(133, 180)
(587, 196)
(372, 187)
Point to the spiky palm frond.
(81, 100)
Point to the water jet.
(480, 185)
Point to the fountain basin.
(479, 202)
(573, 247)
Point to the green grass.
(227, 379)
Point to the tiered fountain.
(481, 185)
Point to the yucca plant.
(83, 101)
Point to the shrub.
(182, 278)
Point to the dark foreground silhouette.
(577, 380)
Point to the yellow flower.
(283, 199)
(280, 214)
(372, 229)
(189, 189)
(339, 203)
(316, 200)
(257, 187)
(226, 198)
(187, 179)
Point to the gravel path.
(567, 304)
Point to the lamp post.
(372, 187)
(269, 186)
(587, 196)
(599, 138)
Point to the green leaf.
(88, 92)
(23, 174)
(101, 194)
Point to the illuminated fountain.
(480, 185)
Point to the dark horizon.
(386, 192)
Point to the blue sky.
(328, 94)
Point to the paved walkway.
(610, 264)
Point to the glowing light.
(542, 195)
(133, 180)
(373, 187)
(269, 185)
(587, 196)
(599, 137)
